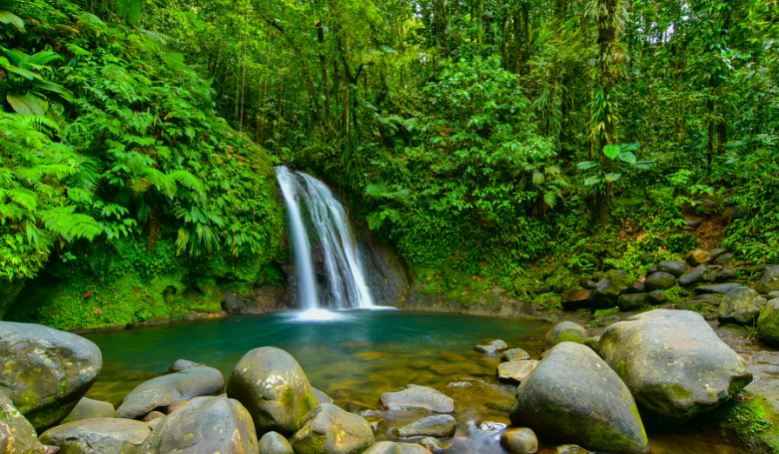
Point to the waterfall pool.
(356, 357)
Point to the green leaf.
(586, 165)
(591, 181)
(627, 157)
(28, 104)
(612, 177)
(611, 151)
(7, 17)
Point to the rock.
(273, 387)
(322, 398)
(646, 258)
(206, 425)
(45, 372)
(384, 447)
(659, 281)
(674, 364)
(433, 444)
(453, 357)
(515, 371)
(769, 281)
(693, 276)
(163, 390)
(491, 426)
(694, 222)
(768, 323)
(717, 288)
(652, 269)
(612, 284)
(385, 275)
(275, 443)
(593, 342)
(570, 449)
(97, 436)
(741, 306)
(183, 364)
(565, 332)
(519, 440)
(772, 295)
(438, 426)
(725, 258)
(636, 287)
(724, 275)
(573, 396)
(515, 354)
(587, 283)
(710, 297)
(418, 398)
(88, 408)
(718, 251)
(328, 429)
(261, 299)
(577, 299)
(493, 347)
(16, 433)
(657, 297)
(698, 257)
(153, 415)
(541, 289)
(631, 301)
(179, 404)
(474, 395)
(412, 448)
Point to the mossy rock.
(330, 430)
(88, 409)
(769, 281)
(565, 332)
(13, 426)
(98, 436)
(741, 306)
(768, 323)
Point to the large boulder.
(674, 364)
(438, 426)
(575, 397)
(768, 323)
(88, 408)
(565, 332)
(328, 429)
(741, 306)
(659, 281)
(16, 433)
(44, 371)
(163, 390)
(273, 387)
(98, 436)
(418, 398)
(673, 267)
(275, 443)
(206, 425)
(769, 281)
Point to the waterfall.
(317, 219)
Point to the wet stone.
(438, 426)
(515, 354)
(493, 347)
(520, 440)
(418, 398)
(516, 371)
(657, 297)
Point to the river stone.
(768, 323)
(570, 449)
(44, 371)
(577, 299)
(698, 257)
(16, 433)
(574, 396)
(384, 447)
(327, 429)
(565, 332)
(493, 347)
(183, 364)
(636, 287)
(657, 297)
(631, 301)
(674, 364)
(519, 440)
(515, 371)
(275, 443)
(772, 295)
(87, 408)
(659, 281)
(611, 284)
(717, 288)
(741, 306)
(322, 398)
(515, 354)
(693, 276)
(593, 342)
(273, 387)
(97, 436)
(438, 426)
(724, 275)
(206, 425)
(652, 269)
(412, 448)
(139, 404)
(769, 281)
(418, 398)
(725, 258)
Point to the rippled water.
(357, 357)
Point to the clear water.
(355, 358)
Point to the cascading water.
(346, 289)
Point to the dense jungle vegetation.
(138, 137)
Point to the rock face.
(273, 387)
(631, 301)
(769, 281)
(768, 323)
(418, 398)
(438, 426)
(275, 443)
(659, 281)
(88, 408)
(674, 364)
(693, 276)
(565, 332)
(573, 396)
(493, 347)
(577, 299)
(205, 425)
(519, 440)
(44, 371)
(261, 299)
(741, 306)
(674, 267)
(386, 276)
(163, 390)
(16, 434)
(516, 371)
(330, 430)
(98, 436)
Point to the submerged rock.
(659, 281)
(98, 436)
(516, 371)
(437, 426)
(741, 306)
(87, 408)
(418, 398)
(205, 425)
(330, 430)
(16, 433)
(273, 387)
(515, 354)
(493, 347)
(384, 447)
(674, 364)
(574, 396)
(519, 440)
(768, 323)
(275, 443)
(565, 332)
(45, 372)
(769, 281)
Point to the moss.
(752, 421)
(570, 337)
(678, 392)
(621, 369)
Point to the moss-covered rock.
(768, 323)
(741, 306)
(275, 443)
(611, 284)
(270, 383)
(88, 408)
(574, 397)
(438, 426)
(44, 371)
(330, 430)
(565, 332)
(673, 267)
(418, 398)
(632, 301)
(659, 281)
(769, 281)
(98, 436)
(674, 364)
(16, 434)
